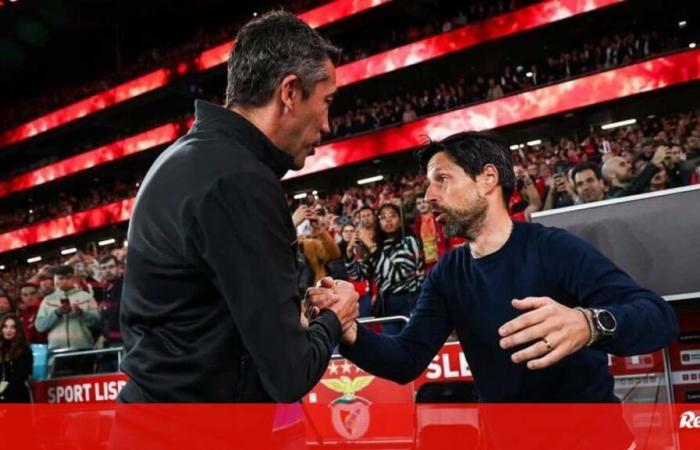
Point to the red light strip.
(68, 225)
(507, 24)
(323, 15)
(524, 19)
(594, 89)
(110, 152)
(578, 93)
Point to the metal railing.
(371, 321)
(61, 354)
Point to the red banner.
(352, 425)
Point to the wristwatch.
(601, 324)
(604, 323)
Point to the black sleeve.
(639, 184)
(245, 235)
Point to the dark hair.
(586, 166)
(13, 305)
(65, 270)
(381, 236)
(10, 350)
(472, 150)
(107, 258)
(269, 48)
(364, 207)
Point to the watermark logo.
(690, 420)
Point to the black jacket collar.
(211, 117)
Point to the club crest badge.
(349, 413)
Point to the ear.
(488, 179)
(290, 92)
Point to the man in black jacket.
(210, 309)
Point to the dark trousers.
(398, 305)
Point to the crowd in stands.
(69, 201)
(447, 93)
(73, 304)
(205, 39)
(153, 58)
(382, 237)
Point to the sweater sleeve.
(645, 322)
(244, 234)
(46, 318)
(404, 357)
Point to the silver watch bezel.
(602, 329)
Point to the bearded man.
(536, 309)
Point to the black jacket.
(16, 372)
(210, 309)
(109, 298)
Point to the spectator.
(408, 206)
(68, 313)
(588, 183)
(319, 248)
(30, 300)
(432, 238)
(561, 193)
(368, 230)
(16, 360)
(339, 272)
(525, 199)
(659, 181)
(108, 296)
(617, 172)
(495, 90)
(395, 264)
(7, 305)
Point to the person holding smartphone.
(68, 313)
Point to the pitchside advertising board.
(343, 380)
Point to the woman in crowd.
(395, 263)
(15, 360)
(339, 271)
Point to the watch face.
(606, 320)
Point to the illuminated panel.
(317, 17)
(67, 225)
(110, 152)
(598, 88)
(88, 106)
(524, 19)
(602, 87)
(507, 24)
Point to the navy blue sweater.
(474, 297)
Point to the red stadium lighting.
(105, 154)
(318, 17)
(527, 18)
(598, 88)
(601, 87)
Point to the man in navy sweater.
(536, 309)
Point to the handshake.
(340, 297)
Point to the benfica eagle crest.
(350, 413)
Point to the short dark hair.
(472, 150)
(64, 271)
(269, 48)
(364, 207)
(586, 166)
(31, 285)
(107, 258)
